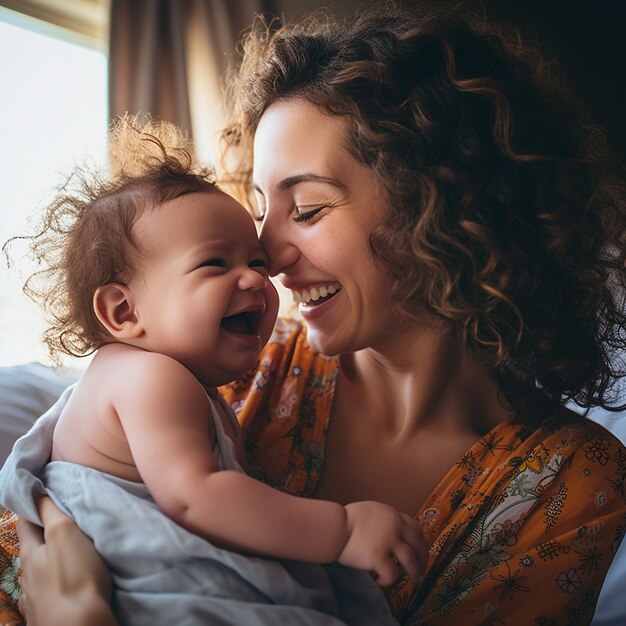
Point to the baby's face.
(202, 289)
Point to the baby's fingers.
(415, 539)
(411, 522)
(410, 561)
(387, 571)
(418, 546)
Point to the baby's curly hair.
(506, 219)
(85, 238)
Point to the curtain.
(87, 20)
(166, 58)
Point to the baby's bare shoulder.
(138, 372)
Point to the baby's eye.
(213, 263)
(258, 263)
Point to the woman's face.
(319, 206)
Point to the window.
(53, 115)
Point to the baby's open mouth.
(246, 323)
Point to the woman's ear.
(114, 306)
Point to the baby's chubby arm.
(166, 417)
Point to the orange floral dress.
(521, 530)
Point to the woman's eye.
(305, 214)
(213, 263)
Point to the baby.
(163, 275)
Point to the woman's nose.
(281, 250)
(251, 280)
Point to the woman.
(450, 230)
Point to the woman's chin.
(325, 344)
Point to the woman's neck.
(420, 380)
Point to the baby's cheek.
(273, 301)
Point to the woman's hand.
(384, 542)
(64, 580)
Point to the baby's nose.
(252, 280)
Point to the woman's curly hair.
(85, 238)
(506, 217)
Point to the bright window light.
(53, 115)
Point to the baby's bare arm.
(167, 420)
(166, 416)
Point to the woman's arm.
(63, 579)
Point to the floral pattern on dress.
(532, 511)
(9, 571)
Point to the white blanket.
(163, 574)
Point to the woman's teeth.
(315, 293)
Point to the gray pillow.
(26, 392)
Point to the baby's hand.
(384, 542)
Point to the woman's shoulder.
(584, 435)
(583, 455)
(535, 508)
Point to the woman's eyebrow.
(292, 181)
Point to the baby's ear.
(114, 306)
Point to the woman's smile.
(312, 308)
(312, 296)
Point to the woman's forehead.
(294, 137)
